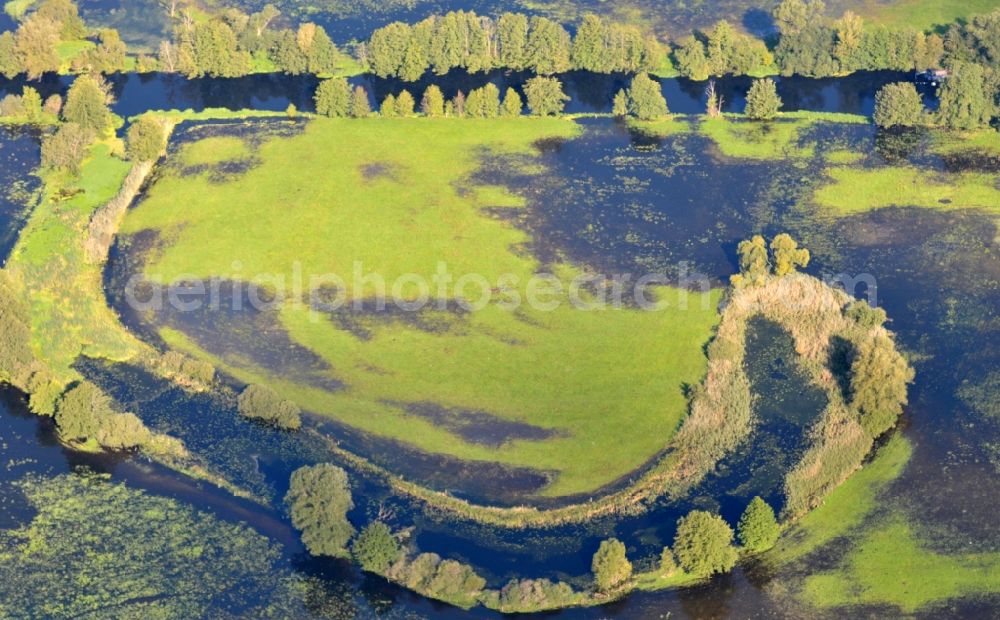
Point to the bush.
(262, 403)
(121, 431)
(704, 544)
(610, 566)
(376, 549)
(668, 563)
(529, 595)
(446, 580)
(758, 528)
(865, 316)
(146, 140)
(319, 498)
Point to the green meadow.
(399, 197)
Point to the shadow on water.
(589, 93)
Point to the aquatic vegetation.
(128, 551)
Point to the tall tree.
(109, 55)
(67, 148)
(432, 104)
(590, 50)
(35, 46)
(692, 60)
(513, 105)
(388, 107)
(879, 376)
(512, 30)
(67, 15)
(360, 104)
(387, 49)
(87, 104)
(763, 101)
(10, 63)
(376, 549)
(967, 100)
(146, 140)
(645, 98)
(548, 47)
(405, 103)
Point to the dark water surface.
(590, 93)
(20, 152)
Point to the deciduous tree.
(704, 544)
(333, 97)
(319, 498)
(610, 566)
(87, 104)
(545, 96)
(146, 140)
(898, 104)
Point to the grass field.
(889, 565)
(854, 190)
(397, 196)
(68, 314)
(779, 139)
(922, 14)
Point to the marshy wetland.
(515, 420)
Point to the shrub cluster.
(262, 403)
(86, 412)
(445, 580)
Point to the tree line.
(319, 500)
(474, 43)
